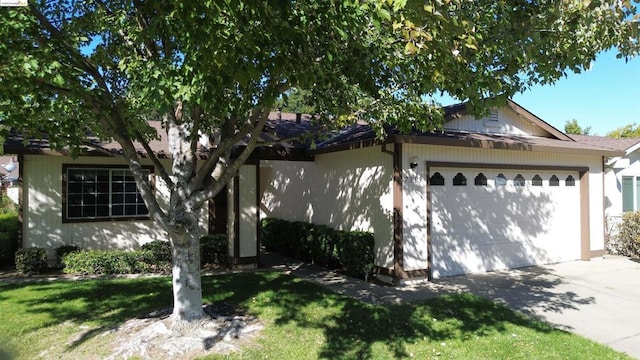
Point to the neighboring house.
(622, 174)
(505, 191)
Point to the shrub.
(31, 260)
(627, 239)
(349, 251)
(214, 249)
(356, 252)
(108, 262)
(161, 250)
(8, 238)
(63, 250)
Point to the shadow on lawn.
(350, 327)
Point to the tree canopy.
(218, 67)
(572, 127)
(627, 131)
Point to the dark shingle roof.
(619, 144)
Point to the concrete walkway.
(598, 299)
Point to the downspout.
(396, 153)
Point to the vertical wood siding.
(248, 211)
(348, 190)
(508, 123)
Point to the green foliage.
(572, 127)
(627, 131)
(7, 206)
(296, 101)
(214, 249)
(32, 260)
(108, 262)
(348, 251)
(626, 240)
(161, 250)
(356, 252)
(9, 227)
(63, 250)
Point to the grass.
(303, 321)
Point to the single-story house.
(621, 176)
(504, 191)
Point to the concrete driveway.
(598, 299)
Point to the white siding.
(625, 166)
(42, 191)
(415, 200)
(348, 190)
(508, 122)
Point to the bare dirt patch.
(226, 329)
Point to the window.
(630, 199)
(570, 181)
(518, 180)
(436, 179)
(459, 180)
(480, 180)
(501, 180)
(98, 193)
(536, 181)
(554, 181)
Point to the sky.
(605, 97)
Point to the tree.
(627, 131)
(572, 127)
(108, 67)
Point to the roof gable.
(511, 119)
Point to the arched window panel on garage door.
(436, 180)
(536, 180)
(570, 181)
(459, 180)
(480, 180)
(554, 181)
(518, 180)
(501, 180)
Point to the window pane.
(436, 179)
(117, 210)
(480, 180)
(102, 211)
(74, 211)
(554, 181)
(627, 193)
(536, 181)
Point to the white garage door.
(493, 219)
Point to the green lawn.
(303, 321)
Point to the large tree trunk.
(187, 282)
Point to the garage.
(485, 218)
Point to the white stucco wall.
(43, 226)
(347, 190)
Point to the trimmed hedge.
(161, 250)
(214, 249)
(63, 250)
(31, 260)
(108, 262)
(348, 251)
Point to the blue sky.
(605, 97)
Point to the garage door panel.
(492, 227)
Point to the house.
(505, 191)
(92, 201)
(621, 176)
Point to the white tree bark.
(187, 284)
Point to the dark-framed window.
(536, 181)
(459, 180)
(570, 181)
(436, 179)
(480, 180)
(630, 193)
(97, 193)
(501, 180)
(519, 180)
(554, 181)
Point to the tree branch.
(154, 159)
